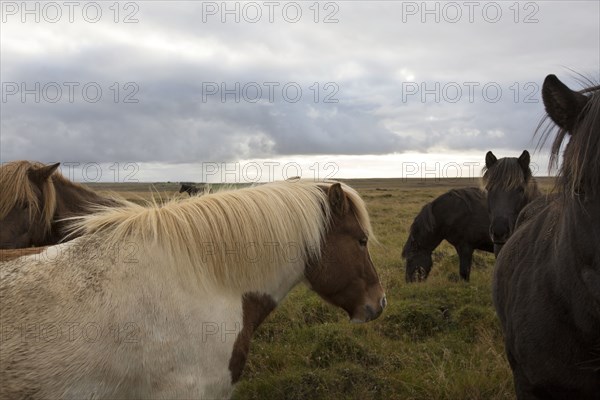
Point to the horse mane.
(425, 221)
(580, 170)
(17, 189)
(190, 232)
(507, 174)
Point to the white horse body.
(160, 302)
(178, 337)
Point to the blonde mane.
(17, 190)
(231, 238)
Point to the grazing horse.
(162, 301)
(547, 281)
(461, 217)
(35, 197)
(510, 186)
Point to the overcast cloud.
(381, 78)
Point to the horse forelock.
(580, 169)
(229, 239)
(17, 189)
(507, 174)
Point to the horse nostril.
(383, 302)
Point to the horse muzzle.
(369, 312)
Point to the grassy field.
(436, 340)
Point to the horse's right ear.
(524, 160)
(563, 105)
(40, 175)
(490, 159)
(337, 199)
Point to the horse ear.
(490, 159)
(524, 160)
(40, 175)
(337, 199)
(563, 105)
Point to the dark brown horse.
(192, 190)
(510, 186)
(459, 216)
(547, 280)
(35, 198)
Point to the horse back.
(462, 217)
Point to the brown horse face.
(22, 225)
(345, 275)
(15, 227)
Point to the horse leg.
(465, 255)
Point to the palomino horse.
(459, 216)
(547, 280)
(162, 301)
(35, 197)
(510, 186)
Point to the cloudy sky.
(241, 91)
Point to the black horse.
(459, 216)
(510, 186)
(190, 189)
(547, 279)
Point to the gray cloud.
(370, 60)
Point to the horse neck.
(580, 227)
(74, 199)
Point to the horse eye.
(25, 206)
(363, 241)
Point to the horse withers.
(510, 186)
(162, 301)
(546, 286)
(459, 216)
(35, 200)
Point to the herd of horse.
(184, 278)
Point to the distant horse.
(547, 282)
(193, 190)
(510, 186)
(162, 301)
(189, 189)
(461, 217)
(35, 197)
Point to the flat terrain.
(436, 340)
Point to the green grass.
(439, 339)
(436, 340)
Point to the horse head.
(28, 204)
(510, 187)
(344, 275)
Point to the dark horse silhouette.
(35, 200)
(189, 189)
(510, 186)
(461, 217)
(547, 280)
(193, 190)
